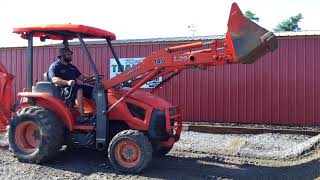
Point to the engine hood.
(145, 97)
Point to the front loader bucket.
(247, 40)
(5, 97)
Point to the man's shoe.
(84, 118)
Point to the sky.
(138, 19)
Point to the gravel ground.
(195, 156)
(262, 146)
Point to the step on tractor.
(129, 124)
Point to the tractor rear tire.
(130, 151)
(35, 135)
(159, 151)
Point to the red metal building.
(282, 88)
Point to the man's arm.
(59, 81)
(53, 74)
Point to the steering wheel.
(91, 80)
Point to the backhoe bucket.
(5, 97)
(247, 40)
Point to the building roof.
(154, 40)
(299, 33)
(195, 38)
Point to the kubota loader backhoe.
(129, 124)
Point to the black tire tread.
(52, 134)
(141, 140)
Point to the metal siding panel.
(309, 59)
(77, 58)
(93, 55)
(23, 70)
(175, 90)
(301, 77)
(283, 79)
(211, 93)
(136, 51)
(195, 94)
(234, 88)
(96, 55)
(242, 94)
(189, 98)
(84, 65)
(268, 87)
(106, 55)
(11, 67)
(200, 84)
(219, 94)
(10, 61)
(249, 93)
(36, 64)
(20, 76)
(316, 82)
(205, 96)
(42, 53)
(257, 95)
(87, 64)
(16, 72)
(292, 82)
(265, 89)
(130, 52)
(225, 92)
(183, 94)
(275, 87)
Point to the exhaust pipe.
(246, 40)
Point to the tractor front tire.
(130, 151)
(35, 135)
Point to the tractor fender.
(52, 103)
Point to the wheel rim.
(128, 154)
(27, 136)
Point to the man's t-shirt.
(66, 72)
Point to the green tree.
(290, 24)
(251, 15)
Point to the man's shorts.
(71, 92)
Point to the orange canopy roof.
(61, 31)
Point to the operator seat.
(46, 86)
(45, 76)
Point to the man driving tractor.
(130, 124)
(66, 75)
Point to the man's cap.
(63, 51)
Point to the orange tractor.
(131, 125)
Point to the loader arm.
(172, 60)
(245, 42)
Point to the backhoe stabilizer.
(5, 97)
(247, 40)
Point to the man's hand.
(83, 77)
(71, 83)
